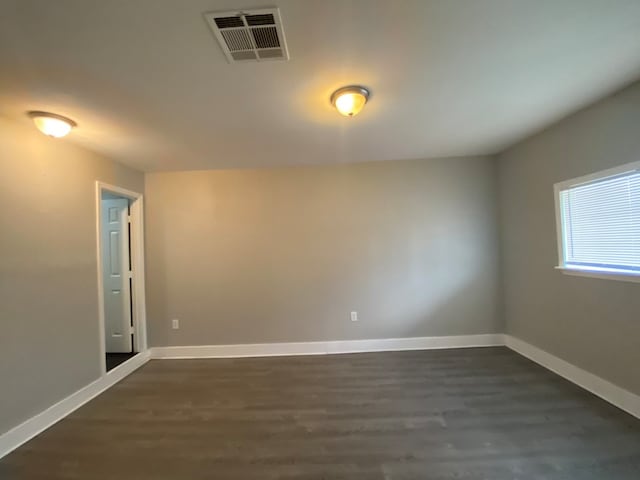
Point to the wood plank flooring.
(444, 414)
(115, 359)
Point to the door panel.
(114, 252)
(115, 275)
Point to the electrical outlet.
(354, 316)
(175, 324)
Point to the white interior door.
(116, 275)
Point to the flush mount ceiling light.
(350, 100)
(51, 124)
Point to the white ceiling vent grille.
(249, 36)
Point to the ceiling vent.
(249, 36)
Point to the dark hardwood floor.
(115, 359)
(444, 414)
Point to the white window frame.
(593, 272)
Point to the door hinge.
(131, 330)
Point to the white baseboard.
(325, 348)
(24, 432)
(621, 398)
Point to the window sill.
(601, 274)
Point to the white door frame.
(137, 267)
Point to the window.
(598, 220)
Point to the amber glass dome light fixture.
(52, 124)
(349, 101)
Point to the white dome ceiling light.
(349, 101)
(51, 124)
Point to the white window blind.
(600, 223)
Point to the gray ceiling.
(149, 86)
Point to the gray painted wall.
(592, 323)
(283, 255)
(49, 345)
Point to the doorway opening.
(120, 275)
